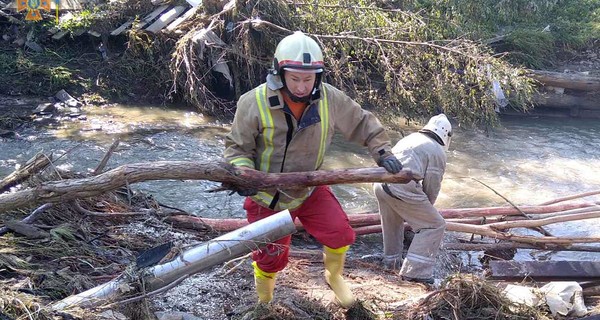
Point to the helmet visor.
(319, 70)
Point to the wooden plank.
(545, 270)
(121, 28)
(178, 21)
(165, 19)
(150, 17)
(59, 35)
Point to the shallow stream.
(527, 160)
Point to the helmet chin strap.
(307, 98)
(295, 98)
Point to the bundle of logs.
(492, 222)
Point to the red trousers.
(321, 216)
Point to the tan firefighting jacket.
(265, 136)
(427, 160)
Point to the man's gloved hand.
(244, 192)
(247, 192)
(391, 164)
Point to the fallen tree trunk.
(566, 80)
(70, 189)
(189, 262)
(567, 101)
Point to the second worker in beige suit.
(424, 153)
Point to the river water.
(527, 160)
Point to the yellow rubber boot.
(265, 284)
(334, 266)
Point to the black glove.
(247, 192)
(391, 164)
(244, 192)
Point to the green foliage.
(82, 19)
(572, 23)
(387, 59)
(532, 48)
(36, 74)
(142, 69)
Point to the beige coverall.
(413, 202)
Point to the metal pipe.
(193, 260)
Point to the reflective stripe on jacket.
(266, 136)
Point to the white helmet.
(441, 127)
(300, 53)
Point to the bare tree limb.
(30, 218)
(69, 189)
(576, 196)
(107, 155)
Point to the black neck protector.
(432, 135)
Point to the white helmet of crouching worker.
(441, 127)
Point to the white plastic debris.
(522, 295)
(564, 298)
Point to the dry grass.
(464, 297)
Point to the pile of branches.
(468, 297)
(48, 252)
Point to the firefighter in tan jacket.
(286, 125)
(424, 153)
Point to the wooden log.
(567, 101)
(70, 189)
(122, 28)
(566, 80)
(34, 165)
(545, 270)
(496, 211)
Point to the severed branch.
(34, 165)
(88, 213)
(70, 189)
(30, 218)
(576, 196)
(107, 156)
(538, 229)
(370, 223)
